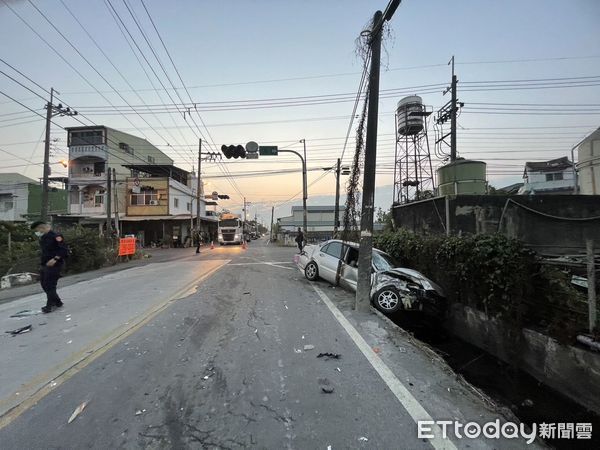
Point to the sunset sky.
(260, 53)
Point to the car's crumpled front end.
(304, 258)
(417, 291)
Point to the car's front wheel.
(311, 271)
(388, 300)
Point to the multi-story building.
(548, 177)
(150, 197)
(21, 198)
(161, 209)
(92, 151)
(588, 165)
(319, 221)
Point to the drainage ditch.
(528, 399)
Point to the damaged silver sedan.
(392, 288)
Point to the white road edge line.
(408, 401)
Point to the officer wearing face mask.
(54, 251)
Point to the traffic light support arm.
(304, 190)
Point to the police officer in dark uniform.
(54, 252)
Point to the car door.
(349, 270)
(328, 259)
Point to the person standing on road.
(197, 238)
(300, 240)
(54, 251)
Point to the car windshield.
(228, 223)
(383, 262)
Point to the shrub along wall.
(88, 250)
(496, 275)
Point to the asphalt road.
(220, 351)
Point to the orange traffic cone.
(212, 245)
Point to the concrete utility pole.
(114, 177)
(51, 111)
(336, 219)
(363, 289)
(44, 209)
(453, 112)
(272, 216)
(591, 276)
(199, 189)
(304, 188)
(108, 203)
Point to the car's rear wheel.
(311, 271)
(388, 300)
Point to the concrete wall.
(532, 219)
(184, 197)
(573, 371)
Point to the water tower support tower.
(413, 171)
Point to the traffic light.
(224, 197)
(233, 151)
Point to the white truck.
(231, 230)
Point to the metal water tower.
(413, 171)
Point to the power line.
(211, 142)
(118, 71)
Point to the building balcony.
(86, 210)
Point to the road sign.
(267, 150)
(252, 147)
(251, 155)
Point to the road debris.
(376, 349)
(25, 329)
(69, 342)
(26, 312)
(362, 438)
(309, 347)
(527, 402)
(297, 350)
(338, 369)
(77, 411)
(210, 374)
(326, 385)
(247, 293)
(329, 355)
(139, 412)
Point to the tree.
(385, 217)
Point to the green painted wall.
(57, 201)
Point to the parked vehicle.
(392, 288)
